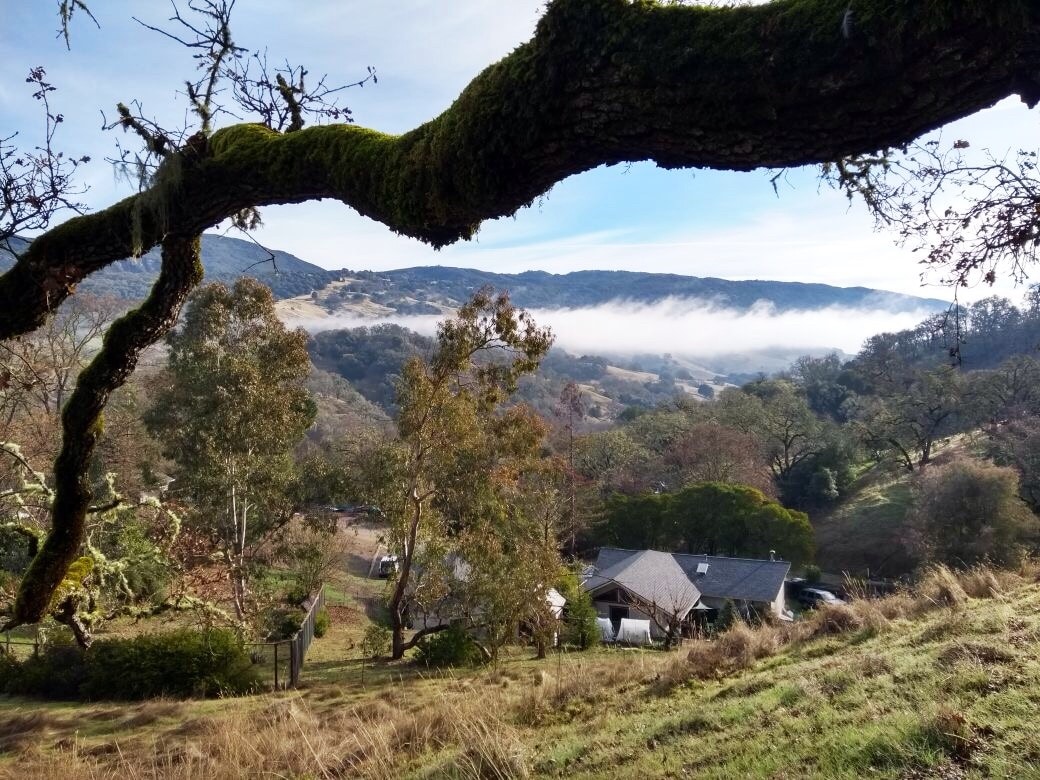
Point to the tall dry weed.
(940, 586)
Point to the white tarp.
(634, 632)
(606, 630)
(556, 602)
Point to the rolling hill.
(225, 259)
(433, 289)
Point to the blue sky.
(701, 223)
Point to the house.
(671, 588)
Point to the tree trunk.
(126, 339)
(66, 614)
(400, 589)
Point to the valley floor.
(951, 693)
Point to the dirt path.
(364, 546)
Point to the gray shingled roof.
(745, 579)
(654, 577)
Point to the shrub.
(580, 628)
(967, 511)
(283, 623)
(376, 642)
(9, 669)
(450, 647)
(813, 573)
(176, 663)
(322, 621)
(56, 672)
(727, 617)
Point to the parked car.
(813, 597)
(388, 566)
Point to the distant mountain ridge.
(542, 290)
(224, 259)
(435, 289)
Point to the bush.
(284, 623)
(322, 621)
(727, 617)
(377, 641)
(968, 512)
(177, 663)
(450, 647)
(812, 573)
(56, 672)
(580, 627)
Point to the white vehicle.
(388, 566)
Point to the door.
(616, 614)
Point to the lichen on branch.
(82, 422)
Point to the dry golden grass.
(742, 645)
(940, 586)
(479, 725)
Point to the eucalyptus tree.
(438, 482)
(230, 408)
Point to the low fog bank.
(683, 326)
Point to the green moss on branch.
(82, 422)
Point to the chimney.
(772, 555)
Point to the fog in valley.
(684, 326)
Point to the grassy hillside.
(937, 685)
(870, 530)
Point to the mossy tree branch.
(602, 82)
(123, 344)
